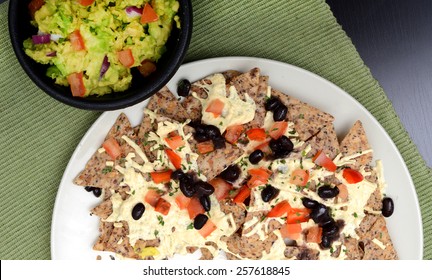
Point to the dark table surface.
(394, 38)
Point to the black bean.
(320, 215)
(205, 202)
(281, 147)
(331, 229)
(327, 191)
(183, 87)
(177, 174)
(212, 131)
(187, 187)
(309, 203)
(280, 113)
(204, 188)
(97, 192)
(268, 193)
(89, 189)
(200, 220)
(272, 103)
(219, 142)
(138, 211)
(387, 207)
(231, 173)
(326, 241)
(201, 136)
(256, 156)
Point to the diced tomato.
(323, 160)
(352, 176)
(243, 193)
(161, 176)
(343, 192)
(126, 58)
(76, 83)
(152, 197)
(174, 158)
(86, 2)
(182, 201)
(278, 129)
(256, 134)
(175, 141)
(194, 208)
(279, 209)
(163, 206)
(34, 6)
(112, 148)
(222, 188)
(264, 147)
(259, 176)
(291, 231)
(148, 14)
(205, 147)
(215, 107)
(299, 177)
(146, 67)
(77, 40)
(233, 133)
(207, 229)
(298, 215)
(314, 234)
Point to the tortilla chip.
(301, 253)
(354, 142)
(166, 104)
(260, 99)
(105, 229)
(230, 74)
(103, 210)
(377, 237)
(213, 163)
(308, 120)
(119, 242)
(249, 83)
(249, 247)
(191, 104)
(96, 173)
(227, 206)
(325, 140)
(353, 250)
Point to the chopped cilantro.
(355, 215)
(190, 226)
(156, 232)
(160, 219)
(107, 170)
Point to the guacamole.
(91, 46)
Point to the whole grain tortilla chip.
(228, 206)
(308, 120)
(247, 82)
(301, 253)
(249, 247)
(166, 104)
(230, 74)
(96, 172)
(213, 163)
(192, 105)
(325, 140)
(356, 141)
(105, 230)
(260, 99)
(353, 249)
(104, 209)
(118, 242)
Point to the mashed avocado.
(82, 37)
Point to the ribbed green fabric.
(38, 134)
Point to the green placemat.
(38, 135)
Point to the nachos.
(241, 170)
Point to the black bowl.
(141, 89)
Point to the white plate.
(74, 231)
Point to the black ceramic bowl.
(141, 89)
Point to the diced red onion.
(133, 11)
(41, 39)
(52, 54)
(105, 65)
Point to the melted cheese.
(235, 111)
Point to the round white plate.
(74, 231)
